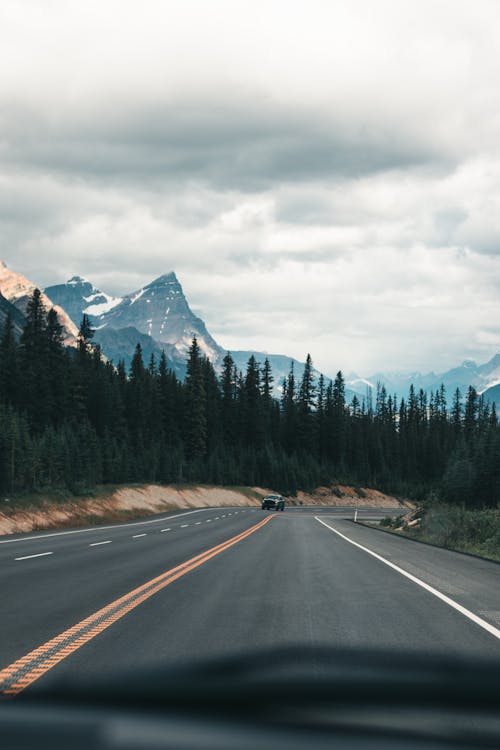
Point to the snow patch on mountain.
(101, 303)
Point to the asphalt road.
(215, 581)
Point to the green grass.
(474, 531)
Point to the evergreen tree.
(195, 407)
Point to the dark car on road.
(273, 502)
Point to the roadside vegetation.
(453, 527)
(71, 421)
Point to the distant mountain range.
(483, 377)
(158, 317)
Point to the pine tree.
(195, 414)
(306, 403)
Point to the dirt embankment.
(341, 495)
(124, 503)
(120, 504)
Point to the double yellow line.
(21, 673)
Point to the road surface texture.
(91, 602)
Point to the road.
(216, 581)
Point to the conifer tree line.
(71, 420)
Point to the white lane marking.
(446, 599)
(136, 536)
(96, 544)
(198, 523)
(223, 516)
(229, 514)
(209, 520)
(103, 528)
(29, 557)
(161, 532)
(216, 518)
(184, 526)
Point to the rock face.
(161, 311)
(79, 296)
(17, 290)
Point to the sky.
(323, 176)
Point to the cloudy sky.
(323, 176)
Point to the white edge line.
(28, 557)
(96, 544)
(103, 528)
(446, 599)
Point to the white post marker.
(355, 515)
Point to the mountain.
(119, 344)
(468, 373)
(18, 319)
(493, 395)
(158, 310)
(161, 310)
(78, 297)
(17, 290)
(157, 316)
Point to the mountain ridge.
(17, 290)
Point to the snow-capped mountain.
(161, 310)
(79, 296)
(17, 290)
(158, 309)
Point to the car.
(273, 502)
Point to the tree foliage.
(70, 419)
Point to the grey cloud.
(244, 146)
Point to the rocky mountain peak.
(17, 289)
(78, 296)
(160, 309)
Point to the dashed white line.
(198, 523)
(102, 528)
(29, 557)
(224, 516)
(96, 544)
(184, 526)
(446, 599)
(209, 520)
(136, 536)
(161, 532)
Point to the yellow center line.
(21, 673)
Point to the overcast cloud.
(322, 176)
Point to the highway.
(202, 583)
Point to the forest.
(71, 420)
